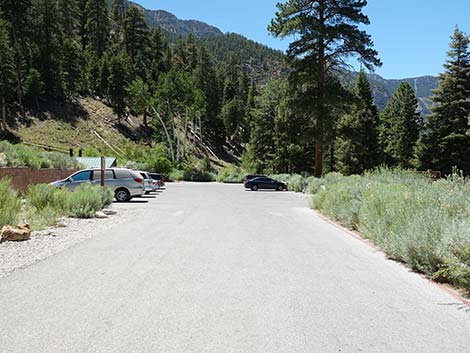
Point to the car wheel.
(122, 195)
(280, 188)
(254, 188)
(147, 193)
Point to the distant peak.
(169, 22)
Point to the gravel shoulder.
(68, 233)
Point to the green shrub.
(176, 175)
(107, 197)
(198, 176)
(20, 155)
(231, 174)
(46, 196)
(85, 201)
(10, 204)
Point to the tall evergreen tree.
(401, 125)
(205, 79)
(17, 14)
(328, 34)
(48, 37)
(262, 149)
(137, 33)
(6, 72)
(357, 147)
(72, 65)
(70, 18)
(97, 26)
(34, 86)
(117, 82)
(446, 143)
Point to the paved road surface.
(212, 268)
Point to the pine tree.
(446, 143)
(261, 150)
(69, 14)
(97, 26)
(17, 13)
(72, 66)
(48, 38)
(328, 34)
(6, 72)
(34, 86)
(401, 125)
(118, 81)
(357, 147)
(205, 79)
(137, 33)
(139, 98)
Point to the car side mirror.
(68, 180)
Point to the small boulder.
(109, 212)
(101, 215)
(18, 233)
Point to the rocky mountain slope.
(170, 23)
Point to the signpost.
(103, 167)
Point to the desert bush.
(198, 176)
(42, 196)
(86, 200)
(59, 160)
(231, 174)
(176, 175)
(10, 204)
(20, 155)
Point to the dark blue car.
(265, 183)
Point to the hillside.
(258, 60)
(90, 124)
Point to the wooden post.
(103, 169)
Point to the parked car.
(148, 182)
(158, 179)
(252, 176)
(125, 183)
(266, 184)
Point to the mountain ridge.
(273, 64)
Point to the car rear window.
(122, 174)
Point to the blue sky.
(412, 36)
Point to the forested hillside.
(224, 95)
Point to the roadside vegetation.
(43, 205)
(20, 155)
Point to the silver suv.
(125, 183)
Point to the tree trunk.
(185, 132)
(146, 121)
(166, 133)
(332, 156)
(321, 87)
(319, 159)
(200, 130)
(3, 125)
